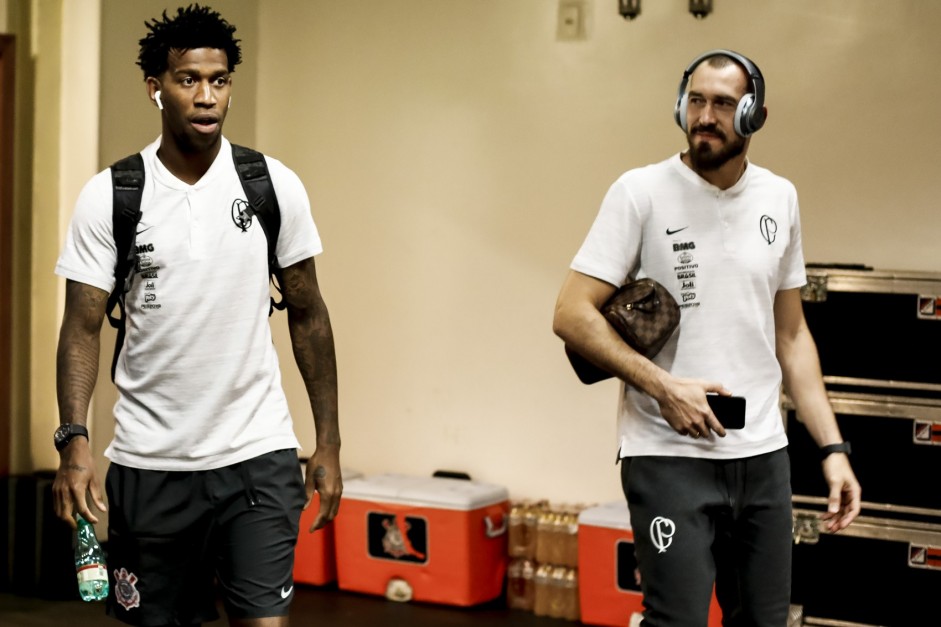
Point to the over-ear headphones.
(157, 100)
(750, 112)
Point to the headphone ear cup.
(742, 126)
(679, 113)
(748, 118)
(756, 116)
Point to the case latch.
(815, 290)
(806, 528)
(795, 616)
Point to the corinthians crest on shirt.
(242, 214)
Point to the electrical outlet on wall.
(571, 20)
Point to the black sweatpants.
(699, 522)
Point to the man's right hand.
(683, 405)
(74, 479)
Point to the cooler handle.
(492, 530)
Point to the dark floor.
(323, 607)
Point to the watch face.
(65, 433)
(61, 433)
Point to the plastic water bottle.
(90, 567)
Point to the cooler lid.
(613, 515)
(347, 473)
(435, 492)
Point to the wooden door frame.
(7, 84)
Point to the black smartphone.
(730, 410)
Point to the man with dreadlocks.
(204, 483)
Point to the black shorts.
(172, 535)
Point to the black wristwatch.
(66, 432)
(842, 447)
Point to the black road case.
(879, 571)
(878, 334)
(896, 444)
(885, 568)
(876, 325)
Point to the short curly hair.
(193, 27)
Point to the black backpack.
(127, 178)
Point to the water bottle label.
(92, 572)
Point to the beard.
(704, 158)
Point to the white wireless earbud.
(230, 102)
(157, 100)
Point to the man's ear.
(153, 90)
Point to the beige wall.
(455, 153)
(47, 42)
(16, 22)
(63, 52)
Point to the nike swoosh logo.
(286, 593)
(672, 231)
(145, 229)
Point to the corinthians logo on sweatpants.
(396, 537)
(661, 533)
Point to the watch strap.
(840, 447)
(70, 431)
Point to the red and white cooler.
(609, 593)
(431, 539)
(315, 561)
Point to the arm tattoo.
(78, 350)
(313, 345)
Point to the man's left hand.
(323, 476)
(844, 501)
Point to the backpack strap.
(263, 204)
(127, 182)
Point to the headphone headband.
(749, 115)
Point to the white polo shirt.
(724, 255)
(198, 377)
